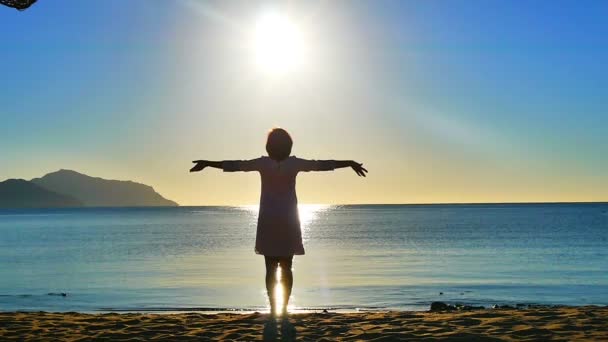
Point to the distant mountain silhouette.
(99, 192)
(19, 193)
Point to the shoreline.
(530, 324)
(434, 306)
(437, 306)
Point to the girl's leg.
(271, 279)
(286, 281)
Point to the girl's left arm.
(201, 164)
(228, 165)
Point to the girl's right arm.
(329, 165)
(357, 167)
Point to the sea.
(358, 258)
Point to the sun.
(278, 43)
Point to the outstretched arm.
(201, 164)
(329, 165)
(357, 167)
(228, 165)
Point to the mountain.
(99, 192)
(19, 193)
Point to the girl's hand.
(359, 169)
(200, 165)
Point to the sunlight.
(278, 293)
(278, 43)
(309, 212)
(306, 212)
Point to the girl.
(278, 236)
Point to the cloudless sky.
(443, 101)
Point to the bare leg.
(286, 282)
(288, 331)
(271, 281)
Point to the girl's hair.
(278, 144)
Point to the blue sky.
(459, 101)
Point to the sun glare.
(278, 293)
(278, 43)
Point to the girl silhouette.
(278, 236)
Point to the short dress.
(278, 231)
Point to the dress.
(278, 231)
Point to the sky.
(442, 101)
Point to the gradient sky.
(443, 101)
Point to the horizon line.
(396, 204)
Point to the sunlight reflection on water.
(308, 214)
(200, 258)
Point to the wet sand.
(540, 324)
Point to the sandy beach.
(541, 324)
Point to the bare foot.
(288, 331)
(270, 329)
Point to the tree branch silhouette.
(18, 4)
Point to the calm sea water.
(358, 257)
